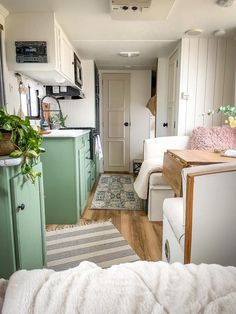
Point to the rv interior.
(117, 156)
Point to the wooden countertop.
(200, 157)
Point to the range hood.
(64, 92)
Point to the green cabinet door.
(82, 178)
(61, 180)
(27, 223)
(88, 180)
(93, 174)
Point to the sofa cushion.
(219, 138)
(173, 211)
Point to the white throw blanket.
(140, 287)
(141, 183)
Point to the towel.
(98, 147)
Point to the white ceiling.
(96, 35)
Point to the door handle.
(165, 125)
(126, 124)
(21, 207)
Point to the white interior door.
(172, 93)
(116, 118)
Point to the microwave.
(78, 71)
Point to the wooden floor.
(144, 237)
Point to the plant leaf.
(16, 153)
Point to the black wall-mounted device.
(31, 51)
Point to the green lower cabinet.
(93, 174)
(22, 222)
(69, 175)
(61, 180)
(88, 180)
(83, 193)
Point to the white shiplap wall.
(207, 76)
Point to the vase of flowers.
(230, 113)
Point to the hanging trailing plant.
(26, 142)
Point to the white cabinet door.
(67, 57)
(58, 47)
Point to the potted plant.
(56, 121)
(19, 139)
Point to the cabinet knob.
(21, 207)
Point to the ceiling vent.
(129, 6)
(140, 10)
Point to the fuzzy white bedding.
(140, 287)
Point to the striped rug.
(100, 243)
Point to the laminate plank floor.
(143, 236)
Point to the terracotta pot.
(6, 146)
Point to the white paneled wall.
(207, 76)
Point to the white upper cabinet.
(59, 68)
(66, 57)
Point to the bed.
(139, 287)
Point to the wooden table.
(176, 160)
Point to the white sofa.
(150, 183)
(200, 226)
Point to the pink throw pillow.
(219, 138)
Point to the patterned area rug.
(116, 191)
(100, 243)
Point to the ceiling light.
(129, 54)
(194, 32)
(224, 3)
(219, 32)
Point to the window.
(30, 103)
